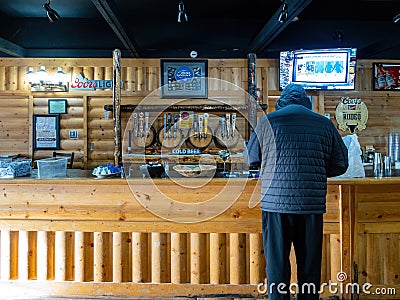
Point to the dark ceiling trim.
(105, 9)
(11, 48)
(273, 27)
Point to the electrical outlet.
(91, 147)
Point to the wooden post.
(117, 257)
(98, 73)
(252, 92)
(140, 86)
(195, 258)
(237, 251)
(130, 82)
(60, 253)
(42, 266)
(139, 257)
(79, 256)
(158, 257)
(152, 78)
(88, 72)
(98, 257)
(117, 106)
(255, 241)
(178, 257)
(217, 255)
(234, 257)
(2, 78)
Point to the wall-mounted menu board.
(46, 132)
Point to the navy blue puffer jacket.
(297, 150)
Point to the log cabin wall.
(383, 108)
(85, 114)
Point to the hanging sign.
(81, 83)
(351, 114)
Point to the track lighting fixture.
(182, 16)
(396, 19)
(42, 81)
(51, 13)
(283, 14)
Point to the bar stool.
(69, 156)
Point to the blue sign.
(184, 73)
(73, 134)
(186, 151)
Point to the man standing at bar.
(297, 149)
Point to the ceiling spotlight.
(182, 16)
(51, 13)
(396, 19)
(283, 14)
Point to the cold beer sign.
(351, 114)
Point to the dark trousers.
(305, 232)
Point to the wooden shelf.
(202, 108)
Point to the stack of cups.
(377, 164)
(387, 166)
(394, 147)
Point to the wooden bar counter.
(81, 236)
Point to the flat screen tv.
(318, 69)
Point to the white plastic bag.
(356, 168)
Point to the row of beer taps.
(168, 125)
(141, 124)
(228, 125)
(171, 128)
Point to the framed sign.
(386, 76)
(46, 132)
(184, 78)
(57, 106)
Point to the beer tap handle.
(169, 125)
(135, 124)
(222, 127)
(205, 124)
(233, 124)
(228, 125)
(129, 141)
(141, 125)
(175, 124)
(201, 120)
(146, 122)
(165, 126)
(195, 126)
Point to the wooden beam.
(273, 27)
(105, 7)
(11, 48)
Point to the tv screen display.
(318, 69)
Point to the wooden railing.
(90, 238)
